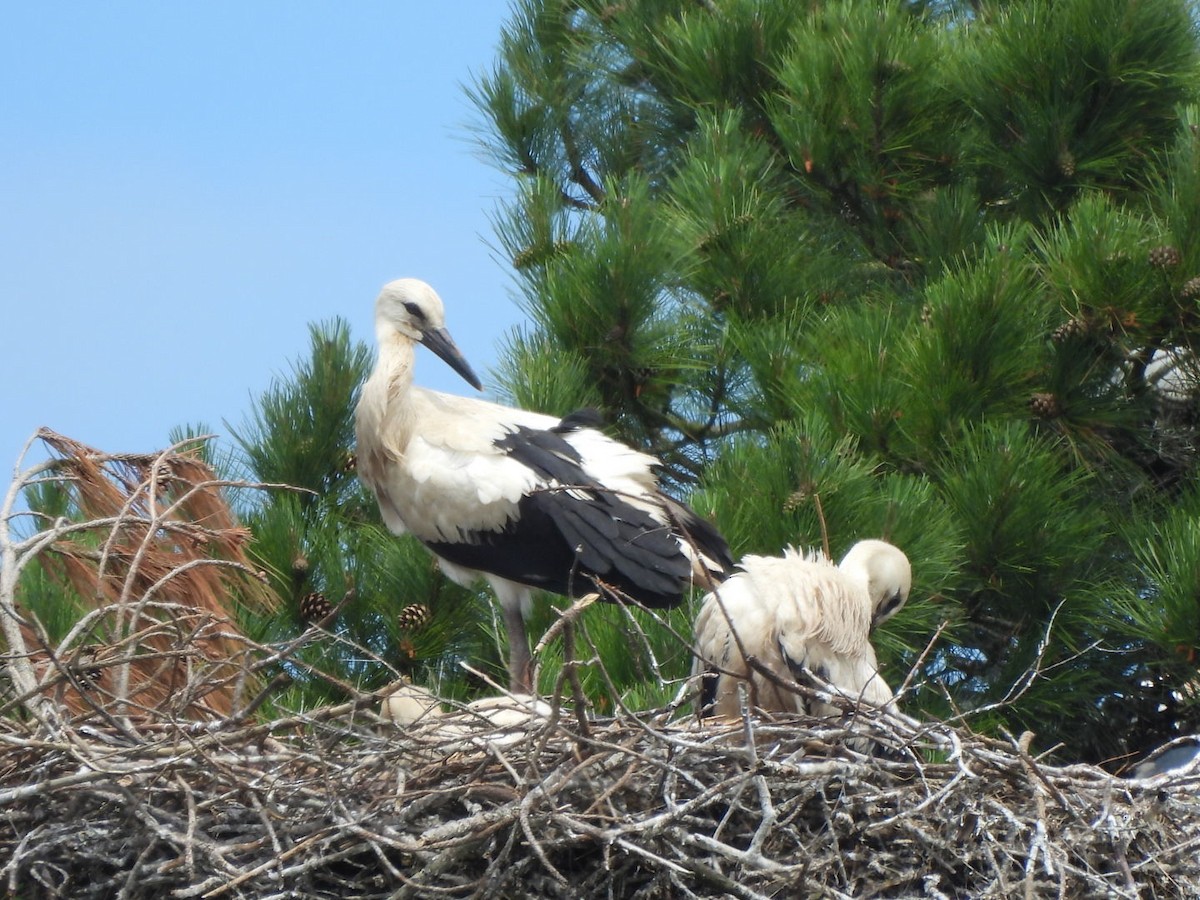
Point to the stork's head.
(888, 574)
(413, 309)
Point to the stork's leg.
(514, 600)
(520, 664)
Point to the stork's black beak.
(887, 610)
(439, 341)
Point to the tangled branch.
(334, 801)
(108, 793)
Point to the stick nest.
(337, 803)
(139, 768)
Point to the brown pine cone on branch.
(1045, 405)
(1072, 328)
(1165, 257)
(414, 617)
(315, 607)
(85, 669)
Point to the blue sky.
(186, 186)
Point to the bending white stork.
(526, 500)
(795, 613)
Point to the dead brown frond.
(157, 561)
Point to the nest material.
(334, 804)
(109, 791)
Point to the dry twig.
(673, 811)
(334, 803)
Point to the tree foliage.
(927, 271)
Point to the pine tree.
(925, 271)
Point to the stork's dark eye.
(415, 311)
(892, 602)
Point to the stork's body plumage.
(794, 613)
(524, 499)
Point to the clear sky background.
(184, 187)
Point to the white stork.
(795, 613)
(1174, 756)
(526, 500)
(409, 704)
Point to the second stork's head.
(413, 309)
(888, 575)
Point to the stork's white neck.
(384, 407)
(855, 574)
(396, 359)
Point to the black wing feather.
(708, 691)
(575, 530)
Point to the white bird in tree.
(795, 613)
(526, 500)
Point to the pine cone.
(300, 567)
(1066, 163)
(541, 253)
(414, 617)
(1072, 328)
(526, 258)
(803, 493)
(1165, 257)
(1045, 406)
(315, 607)
(1190, 289)
(87, 673)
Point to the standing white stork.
(795, 613)
(526, 500)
